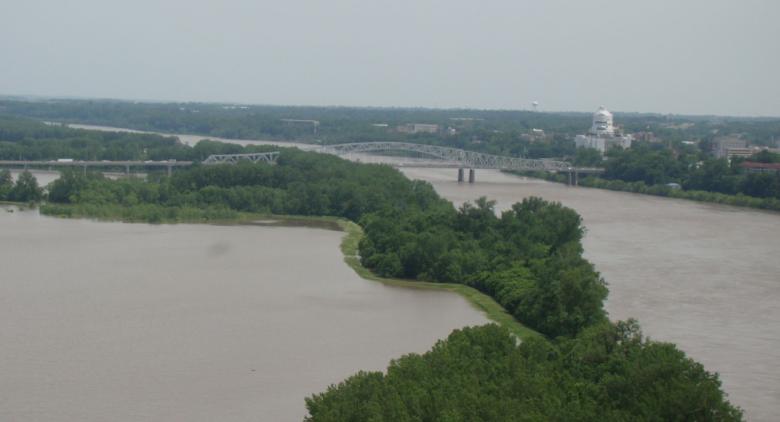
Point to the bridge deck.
(55, 163)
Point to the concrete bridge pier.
(127, 169)
(170, 171)
(471, 176)
(574, 179)
(460, 175)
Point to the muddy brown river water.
(136, 322)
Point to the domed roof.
(602, 111)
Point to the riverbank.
(494, 311)
(353, 233)
(20, 205)
(739, 200)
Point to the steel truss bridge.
(259, 157)
(452, 157)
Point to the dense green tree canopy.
(25, 189)
(694, 170)
(608, 373)
(6, 183)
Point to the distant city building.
(534, 135)
(740, 152)
(748, 151)
(753, 167)
(647, 136)
(602, 123)
(602, 134)
(418, 128)
(314, 123)
(722, 144)
(466, 119)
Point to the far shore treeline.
(680, 153)
(528, 258)
(684, 171)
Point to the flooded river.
(703, 276)
(137, 322)
(194, 139)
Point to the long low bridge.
(126, 164)
(461, 159)
(440, 157)
(264, 157)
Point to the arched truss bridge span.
(258, 157)
(453, 156)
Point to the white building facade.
(602, 135)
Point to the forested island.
(578, 364)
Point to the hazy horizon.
(696, 58)
(32, 97)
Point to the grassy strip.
(494, 311)
(349, 245)
(20, 205)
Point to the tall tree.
(26, 189)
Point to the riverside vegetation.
(654, 169)
(25, 189)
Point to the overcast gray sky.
(683, 56)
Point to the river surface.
(703, 276)
(136, 322)
(194, 139)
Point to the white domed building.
(602, 135)
(602, 123)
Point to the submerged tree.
(26, 189)
(6, 184)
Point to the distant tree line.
(491, 131)
(692, 169)
(24, 139)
